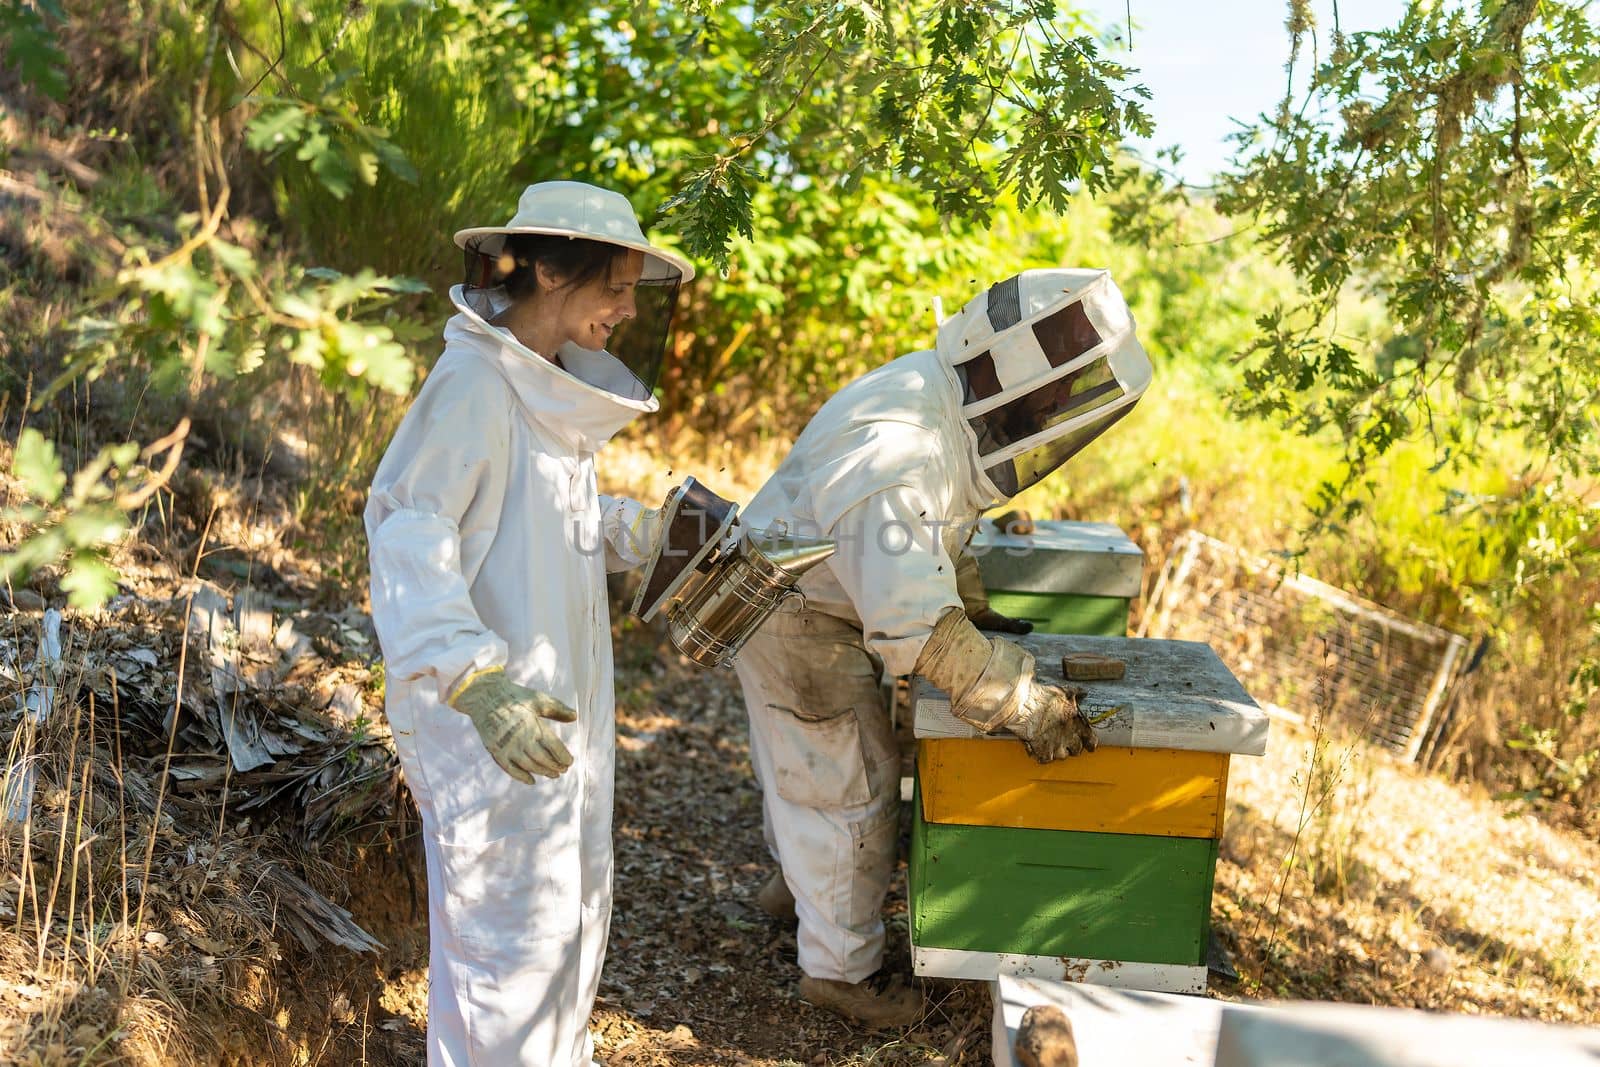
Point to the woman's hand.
(511, 722)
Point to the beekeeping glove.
(975, 599)
(630, 530)
(991, 685)
(1050, 722)
(511, 721)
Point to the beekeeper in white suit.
(895, 468)
(489, 549)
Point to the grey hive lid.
(1176, 694)
(1060, 556)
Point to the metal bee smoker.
(716, 580)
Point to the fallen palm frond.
(168, 766)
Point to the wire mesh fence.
(1302, 644)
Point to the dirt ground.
(697, 973)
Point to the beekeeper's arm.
(892, 564)
(434, 475)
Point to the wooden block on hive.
(1092, 667)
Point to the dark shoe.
(880, 1002)
(775, 898)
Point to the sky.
(1207, 64)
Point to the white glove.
(511, 722)
(632, 530)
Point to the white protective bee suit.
(490, 546)
(896, 467)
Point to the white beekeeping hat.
(1047, 360)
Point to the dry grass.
(144, 920)
(1405, 889)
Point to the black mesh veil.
(641, 342)
(1014, 475)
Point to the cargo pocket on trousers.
(507, 907)
(818, 763)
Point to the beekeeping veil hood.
(1045, 361)
(579, 211)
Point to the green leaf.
(306, 349)
(235, 260)
(94, 525)
(394, 160)
(371, 354)
(276, 128)
(35, 464)
(331, 167)
(31, 46)
(90, 581)
(43, 548)
(365, 164)
(251, 359)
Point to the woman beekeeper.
(489, 547)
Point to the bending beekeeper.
(489, 550)
(896, 467)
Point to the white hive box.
(1140, 1029)
(1128, 1028)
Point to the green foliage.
(964, 102)
(31, 46)
(204, 311)
(1444, 170)
(36, 465)
(1445, 167)
(220, 305)
(338, 149)
(74, 528)
(757, 135)
(694, 109)
(713, 205)
(1562, 775)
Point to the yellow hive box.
(1160, 792)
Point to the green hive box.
(1114, 897)
(1065, 577)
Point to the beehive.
(1065, 577)
(1099, 867)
